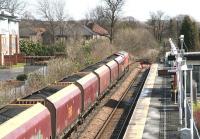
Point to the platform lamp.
(179, 83)
(186, 68)
(180, 73)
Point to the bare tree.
(13, 6)
(112, 10)
(98, 15)
(2, 4)
(45, 8)
(60, 15)
(152, 22)
(53, 12)
(158, 23)
(27, 15)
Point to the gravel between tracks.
(102, 115)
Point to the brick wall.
(13, 59)
(9, 60)
(20, 58)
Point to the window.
(196, 78)
(3, 41)
(13, 42)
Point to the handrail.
(196, 132)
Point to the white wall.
(4, 31)
(13, 27)
(13, 30)
(3, 26)
(7, 28)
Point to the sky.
(139, 9)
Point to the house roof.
(10, 16)
(97, 29)
(69, 28)
(29, 31)
(74, 29)
(26, 32)
(88, 31)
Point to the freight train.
(54, 110)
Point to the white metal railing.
(195, 131)
(185, 110)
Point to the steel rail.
(140, 85)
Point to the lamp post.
(180, 80)
(185, 96)
(186, 68)
(179, 83)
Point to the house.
(39, 31)
(32, 30)
(69, 31)
(9, 35)
(74, 31)
(79, 31)
(98, 30)
(33, 34)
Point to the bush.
(139, 42)
(88, 53)
(101, 49)
(37, 49)
(21, 77)
(35, 82)
(59, 68)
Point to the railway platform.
(155, 115)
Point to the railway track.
(116, 123)
(93, 122)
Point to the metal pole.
(185, 96)
(181, 81)
(179, 94)
(178, 89)
(191, 99)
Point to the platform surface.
(155, 116)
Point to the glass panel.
(3, 41)
(196, 78)
(13, 42)
(188, 82)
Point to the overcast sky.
(139, 9)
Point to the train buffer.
(155, 116)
